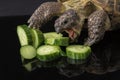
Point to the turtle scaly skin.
(44, 13)
(101, 16)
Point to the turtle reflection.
(104, 59)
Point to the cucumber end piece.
(24, 35)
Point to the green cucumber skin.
(76, 56)
(47, 58)
(79, 56)
(63, 41)
(27, 33)
(40, 37)
(52, 38)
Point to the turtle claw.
(32, 25)
(44, 13)
(89, 42)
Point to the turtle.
(97, 16)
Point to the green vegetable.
(52, 38)
(48, 52)
(37, 37)
(62, 41)
(78, 52)
(52, 35)
(32, 39)
(28, 52)
(24, 35)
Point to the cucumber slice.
(37, 37)
(52, 35)
(48, 52)
(24, 35)
(61, 41)
(28, 52)
(78, 52)
(52, 38)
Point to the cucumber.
(52, 35)
(52, 38)
(48, 52)
(61, 41)
(24, 35)
(80, 52)
(37, 37)
(28, 52)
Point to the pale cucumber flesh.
(48, 52)
(52, 38)
(24, 35)
(62, 41)
(28, 52)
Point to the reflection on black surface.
(105, 58)
(71, 70)
(64, 67)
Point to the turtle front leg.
(44, 13)
(98, 23)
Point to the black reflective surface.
(107, 55)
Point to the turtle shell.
(111, 6)
(62, 0)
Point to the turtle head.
(69, 22)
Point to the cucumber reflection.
(100, 62)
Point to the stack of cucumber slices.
(47, 46)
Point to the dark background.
(16, 12)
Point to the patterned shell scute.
(111, 5)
